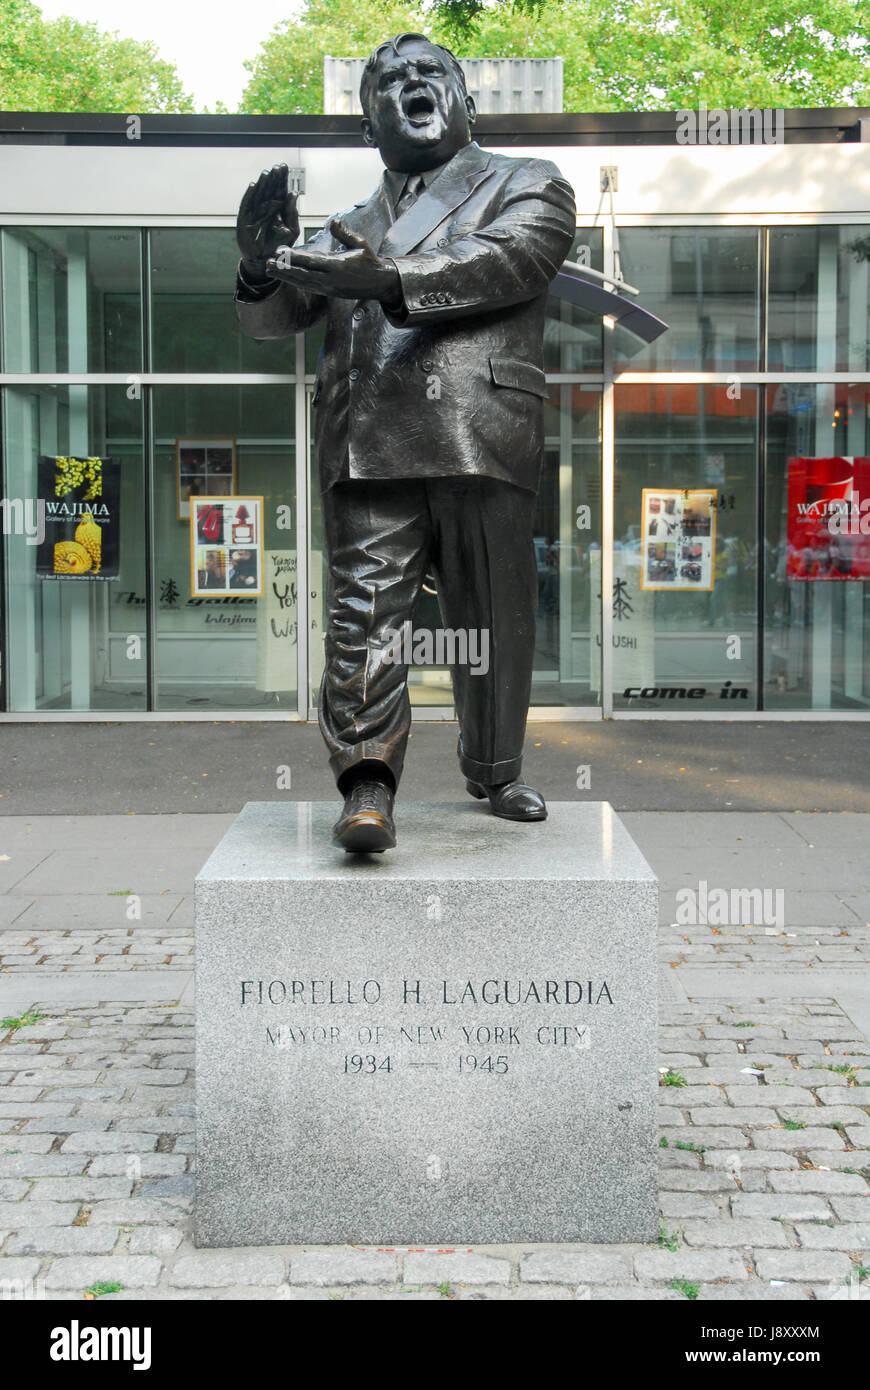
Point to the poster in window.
(828, 518)
(82, 500)
(226, 546)
(678, 538)
(203, 468)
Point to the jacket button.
(358, 314)
(353, 374)
(427, 365)
(442, 241)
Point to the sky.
(206, 44)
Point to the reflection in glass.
(817, 633)
(704, 283)
(572, 337)
(685, 437)
(567, 668)
(71, 299)
(74, 644)
(819, 304)
(194, 324)
(226, 651)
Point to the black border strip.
(827, 125)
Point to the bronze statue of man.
(429, 419)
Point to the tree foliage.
(619, 55)
(65, 65)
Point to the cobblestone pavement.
(764, 1121)
(764, 1169)
(90, 950)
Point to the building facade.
(671, 578)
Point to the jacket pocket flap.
(523, 376)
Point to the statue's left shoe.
(366, 826)
(511, 800)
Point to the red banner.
(828, 518)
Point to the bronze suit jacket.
(451, 383)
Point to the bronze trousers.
(382, 537)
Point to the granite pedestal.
(451, 1043)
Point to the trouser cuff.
(490, 774)
(379, 755)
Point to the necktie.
(411, 192)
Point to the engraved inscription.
(478, 1047)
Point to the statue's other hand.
(267, 219)
(353, 273)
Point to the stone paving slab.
(18, 991)
(90, 914)
(713, 830)
(15, 867)
(113, 831)
(169, 866)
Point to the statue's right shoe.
(366, 823)
(512, 800)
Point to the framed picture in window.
(226, 547)
(678, 538)
(203, 468)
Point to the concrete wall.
(152, 184)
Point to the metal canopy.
(596, 300)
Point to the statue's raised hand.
(267, 219)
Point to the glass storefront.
(818, 300)
(704, 283)
(568, 546)
(817, 647)
(193, 320)
(705, 615)
(673, 440)
(224, 651)
(73, 645)
(72, 299)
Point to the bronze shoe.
(511, 800)
(366, 823)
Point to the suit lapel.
(456, 182)
(373, 217)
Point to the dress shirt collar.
(395, 180)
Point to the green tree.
(287, 72)
(619, 55)
(65, 65)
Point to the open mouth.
(419, 108)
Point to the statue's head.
(416, 110)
